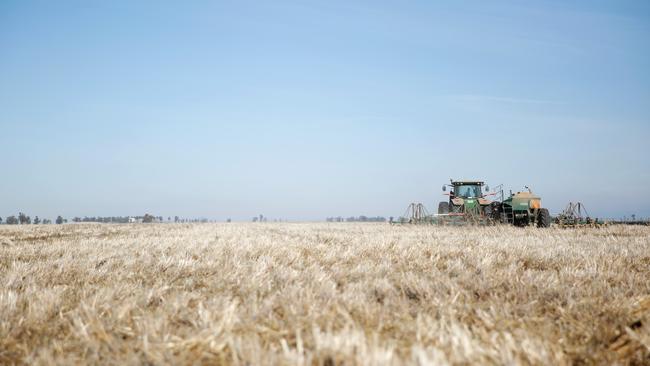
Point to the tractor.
(466, 198)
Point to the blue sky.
(306, 109)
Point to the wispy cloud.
(481, 98)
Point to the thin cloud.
(499, 99)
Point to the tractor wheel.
(543, 218)
(487, 211)
(496, 212)
(443, 208)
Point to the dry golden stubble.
(323, 294)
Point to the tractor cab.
(466, 188)
(464, 196)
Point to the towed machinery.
(575, 215)
(522, 209)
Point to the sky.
(300, 110)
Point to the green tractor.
(522, 209)
(466, 198)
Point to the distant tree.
(147, 219)
(226, 220)
(59, 220)
(24, 219)
(176, 219)
(76, 219)
(255, 219)
(169, 218)
(0, 220)
(12, 220)
(37, 220)
(47, 221)
(361, 218)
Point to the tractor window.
(467, 191)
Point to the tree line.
(356, 219)
(24, 219)
(119, 219)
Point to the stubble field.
(323, 294)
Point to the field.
(323, 294)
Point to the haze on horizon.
(302, 110)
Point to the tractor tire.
(487, 211)
(443, 208)
(543, 218)
(496, 210)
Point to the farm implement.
(575, 215)
(523, 209)
(416, 213)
